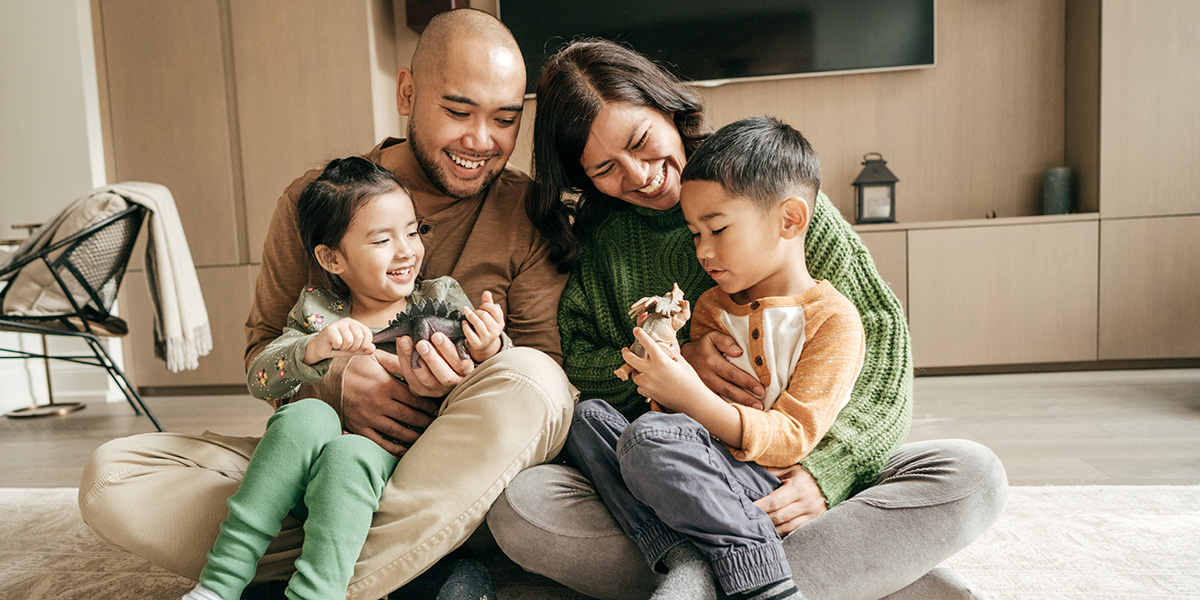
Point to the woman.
(616, 129)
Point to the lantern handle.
(866, 157)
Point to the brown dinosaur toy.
(660, 317)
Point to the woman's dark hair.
(328, 204)
(576, 83)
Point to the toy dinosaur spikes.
(661, 317)
(423, 318)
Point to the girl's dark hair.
(328, 204)
(576, 83)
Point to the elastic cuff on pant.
(754, 567)
(201, 593)
(654, 540)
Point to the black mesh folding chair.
(89, 263)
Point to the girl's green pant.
(332, 481)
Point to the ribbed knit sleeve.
(870, 428)
(634, 253)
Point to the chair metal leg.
(45, 410)
(131, 395)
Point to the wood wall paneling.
(168, 115)
(1149, 288)
(966, 137)
(1082, 137)
(889, 250)
(1003, 295)
(1149, 108)
(304, 94)
(227, 293)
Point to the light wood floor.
(1113, 427)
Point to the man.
(162, 496)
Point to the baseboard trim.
(193, 390)
(1091, 365)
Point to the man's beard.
(437, 176)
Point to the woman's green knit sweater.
(637, 252)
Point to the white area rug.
(1094, 542)
(1060, 542)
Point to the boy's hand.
(483, 328)
(663, 375)
(346, 337)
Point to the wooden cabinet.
(169, 116)
(227, 293)
(225, 103)
(311, 86)
(989, 292)
(1150, 288)
(991, 295)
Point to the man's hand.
(439, 368)
(707, 356)
(797, 501)
(380, 408)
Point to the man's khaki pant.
(162, 495)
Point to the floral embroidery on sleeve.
(278, 370)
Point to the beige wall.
(1150, 108)
(50, 145)
(51, 152)
(967, 137)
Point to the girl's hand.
(346, 337)
(663, 375)
(483, 328)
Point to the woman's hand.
(797, 501)
(346, 337)
(707, 356)
(483, 328)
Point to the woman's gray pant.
(932, 499)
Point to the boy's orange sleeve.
(818, 389)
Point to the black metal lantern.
(875, 192)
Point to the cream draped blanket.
(181, 328)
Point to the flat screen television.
(712, 42)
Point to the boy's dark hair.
(759, 158)
(327, 205)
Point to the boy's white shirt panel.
(782, 336)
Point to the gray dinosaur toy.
(423, 318)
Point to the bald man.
(463, 430)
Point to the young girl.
(359, 223)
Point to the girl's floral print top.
(279, 369)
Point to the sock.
(689, 576)
(201, 593)
(774, 591)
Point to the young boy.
(691, 472)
